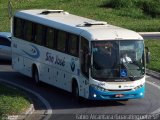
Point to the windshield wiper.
(132, 77)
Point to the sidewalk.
(151, 33)
(153, 73)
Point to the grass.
(136, 8)
(12, 101)
(127, 17)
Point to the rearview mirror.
(147, 55)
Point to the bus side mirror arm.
(147, 55)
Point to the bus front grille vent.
(123, 90)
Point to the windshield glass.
(117, 59)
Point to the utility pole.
(10, 9)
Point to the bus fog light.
(94, 95)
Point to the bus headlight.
(99, 88)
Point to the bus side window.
(73, 45)
(61, 41)
(18, 27)
(84, 51)
(38, 34)
(28, 31)
(50, 34)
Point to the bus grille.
(123, 90)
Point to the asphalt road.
(65, 107)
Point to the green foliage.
(149, 7)
(119, 4)
(131, 12)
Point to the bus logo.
(123, 72)
(72, 64)
(34, 52)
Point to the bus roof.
(88, 28)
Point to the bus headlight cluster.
(99, 88)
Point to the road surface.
(65, 107)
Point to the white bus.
(89, 58)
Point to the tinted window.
(84, 45)
(38, 34)
(4, 41)
(73, 45)
(18, 27)
(28, 31)
(49, 38)
(61, 40)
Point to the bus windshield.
(117, 59)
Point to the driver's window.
(84, 53)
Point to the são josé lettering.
(52, 59)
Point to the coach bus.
(91, 59)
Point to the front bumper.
(95, 94)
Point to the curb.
(150, 35)
(153, 73)
(22, 116)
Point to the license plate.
(119, 95)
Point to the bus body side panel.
(55, 68)
(19, 62)
(83, 86)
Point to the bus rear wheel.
(35, 76)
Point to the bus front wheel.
(75, 90)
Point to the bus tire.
(35, 76)
(75, 92)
